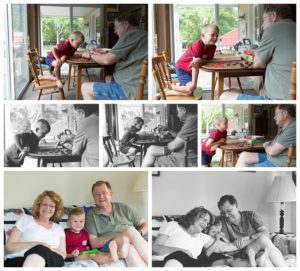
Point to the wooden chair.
(141, 84)
(116, 158)
(41, 84)
(163, 79)
(293, 82)
(291, 154)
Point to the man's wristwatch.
(141, 233)
(250, 237)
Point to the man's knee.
(87, 88)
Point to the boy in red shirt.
(215, 139)
(77, 240)
(61, 52)
(187, 67)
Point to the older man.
(276, 151)
(276, 52)
(246, 228)
(116, 221)
(173, 154)
(128, 54)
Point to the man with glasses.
(173, 155)
(127, 55)
(116, 221)
(246, 228)
(276, 52)
(276, 151)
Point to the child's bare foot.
(113, 249)
(123, 250)
(59, 84)
(251, 256)
(262, 258)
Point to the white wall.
(22, 187)
(179, 192)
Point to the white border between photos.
(102, 103)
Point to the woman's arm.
(61, 250)
(14, 245)
(218, 246)
(159, 247)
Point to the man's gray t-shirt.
(278, 50)
(132, 49)
(285, 137)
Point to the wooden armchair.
(41, 84)
(115, 158)
(293, 87)
(291, 154)
(141, 84)
(162, 77)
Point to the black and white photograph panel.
(150, 135)
(55, 135)
(75, 219)
(224, 219)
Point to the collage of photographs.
(149, 134)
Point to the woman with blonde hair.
(38, 240)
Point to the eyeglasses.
(44, 205)
(103, 194)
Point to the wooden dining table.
(234, 149)
(224, 69)
(81, 63)
(147, 139)
(51, 154)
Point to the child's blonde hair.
(220, 120)
(76, 212)
(207, 27)
(78, 36)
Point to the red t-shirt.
(64, 49)
(78, 241)
(216, 135)
(197, 49)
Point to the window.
(17, 74)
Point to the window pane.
(20, 47)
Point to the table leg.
(69, 76)
(222, 158)
(44, 163)
(213, 85)
(240, 85)
(220, 85)
(142, 156)
(234, 158)
(78, 87)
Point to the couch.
(286, 243)
(12, 215)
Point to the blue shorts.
(205, 159)
(183, 76)
(108, 91)
(250, 97)
(49, 61)
(262, 161)
(105, 247)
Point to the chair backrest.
(293, 82)
(110, 147)
(141, 84)
(291, 154)
(34, 63)
(161, 74)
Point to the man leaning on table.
(276, 151)
(276, 52)
(128, 54)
